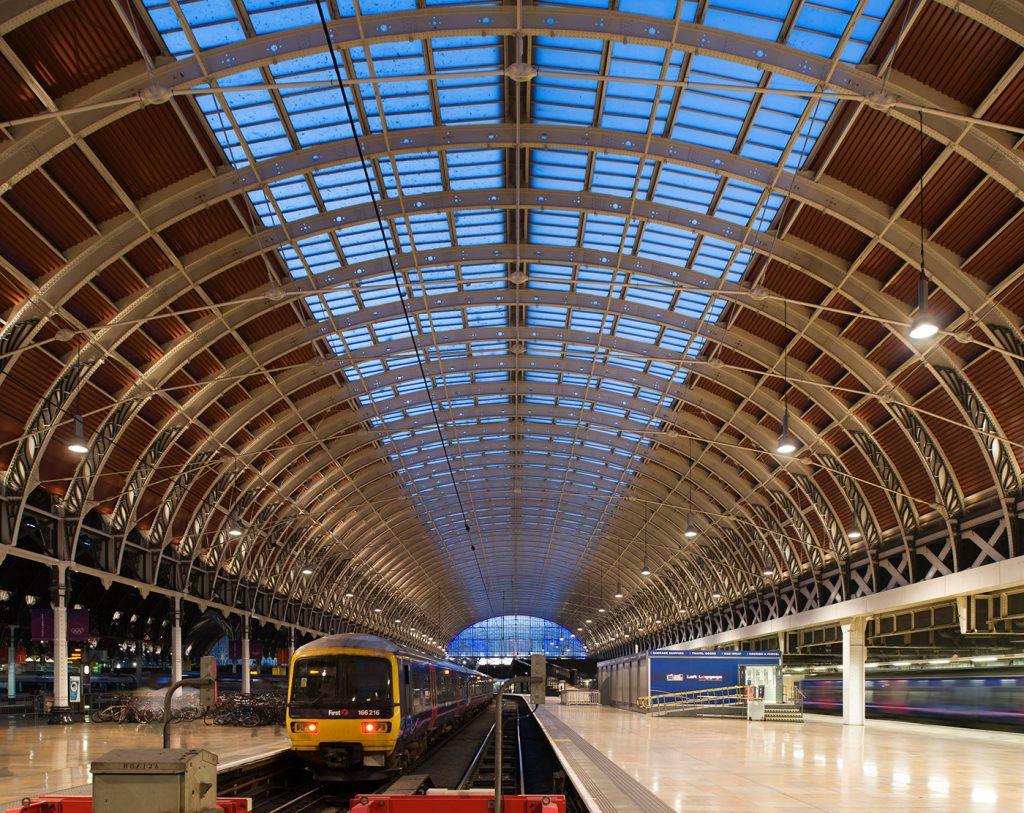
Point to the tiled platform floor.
(36, 758)
(730, 766)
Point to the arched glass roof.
(511, 636)
(489, 329)
(551, 364)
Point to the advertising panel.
(690, 670)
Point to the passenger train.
(981, 700)
(361, 707)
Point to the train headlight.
(376, 728)
(305, 728)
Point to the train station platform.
(624, 761)
(38, 759)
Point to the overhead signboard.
(685, 670)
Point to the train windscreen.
(342, 686)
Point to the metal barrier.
(580, 697)
(17, 707)
(718, 696)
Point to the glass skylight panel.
(605, 233)
(590, 321)
(712, 255)
(600, 281)
(650, 291)
(294, 199)
(754, 18)
(685, 187)
(546, 316)
(340, 301)
(634, 363)
(481, 227)
(418, 174)
(738, 201)
(558, 169)
(628, 105)
(376, 291)
(483, 277)
(666, 243)
(468, 98)
(362, 242)
(433, 281)
(565, 99)
(818, 29)
(636, 329)
(428, 231)
(475, 169)
(554, 228)
(674, 340)
(317, 253)
(714, 118)
(343, 186)
(617, 175)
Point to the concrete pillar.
(246, 679)
(176, 654)
(854, 658)
(61, 713)
(291, 644)
(12, 654)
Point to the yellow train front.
(361, 707)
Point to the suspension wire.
(394, 272)
(920, 173)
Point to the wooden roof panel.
(47, 211)
(83, 184)
(74, 44)
(954, 54)
(126, 147)
(873, 134)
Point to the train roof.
(357, 640)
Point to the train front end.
(344, 712)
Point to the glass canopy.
(512, 636)
(550, 388)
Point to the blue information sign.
(688, 670)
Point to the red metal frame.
(83, 804)
(456, 804)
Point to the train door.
(405, 689)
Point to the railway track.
(483, 769)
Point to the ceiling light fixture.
(306, 571)
(922, 326)
(78, 444)
(855, 533)
(349, 593)
(233, 526)
(787, 442)
(691, 530)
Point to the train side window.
(407, 674)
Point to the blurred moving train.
(981, 699)
(361, 707)
(27, 684)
